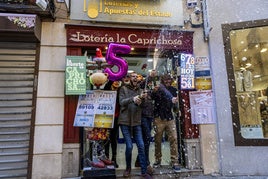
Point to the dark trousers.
(114, 132)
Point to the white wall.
(233, 160)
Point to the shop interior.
(250, 60)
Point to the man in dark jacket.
(165, 97)
(147, 117)
(130, 99)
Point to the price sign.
(187, 71)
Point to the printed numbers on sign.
(187, 60)
(187, 83)
(86, 106)
(105, 107)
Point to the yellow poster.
(96, 109)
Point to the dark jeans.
(146, 125)
(137, 135)
(113, 141)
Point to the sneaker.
(115, 164)
(176, 168)
(146, 176)
(127, 172)
(157, 164)
(150, 170)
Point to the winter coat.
(148, 106)
(163, 105)
(130, 113)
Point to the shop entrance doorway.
(142, 61)
(153, 48)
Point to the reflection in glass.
(250, 64)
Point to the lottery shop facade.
(81, 39)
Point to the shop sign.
(96, 109)
(201, 103)
(187, 65)
(75, 75)
(138, 38)
(202, 66)
(203, 83)
(160, 12)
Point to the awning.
(20, 27)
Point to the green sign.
(75, 75)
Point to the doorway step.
(165, 171)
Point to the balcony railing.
(27, 7)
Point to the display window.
(246, 60)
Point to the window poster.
(202, 66)
(187, 65)
(75, 75)
(96, 109)
(201, 103)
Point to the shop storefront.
(146, 43)
(153, 31)
(240, 89)
(19, 59)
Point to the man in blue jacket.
(165, 97)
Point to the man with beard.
(130, 99)
(165, 97)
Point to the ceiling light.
(150, 60)
(257, 76)
(263, 50)
(248, 65)
(130, 71)
(244, 58)
(132, 48)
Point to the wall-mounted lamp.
(196, 17)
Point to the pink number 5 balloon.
(113, 59)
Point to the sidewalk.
(165, 172)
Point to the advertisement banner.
(75, 75)
(201, 103)
(187, 65)
(96, 109)
(160, 12)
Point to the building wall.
(49, 150)
(233, 160)
(48, 139)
